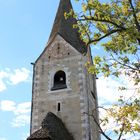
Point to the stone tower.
(62, 85)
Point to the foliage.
(125, 116)
(116, 24)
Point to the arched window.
(59, 80)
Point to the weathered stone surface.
(64, 52)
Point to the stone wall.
(74, 100)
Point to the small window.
(58, 107)
(58, 49)
(59, 80)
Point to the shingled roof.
(65, 28)
(52, 129)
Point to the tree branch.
(85, 31)
(122, 129)
(101, 20)
(128, 66)
(135, 18)
(108, 34)
(102, 132)
(134, 15)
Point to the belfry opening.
(59, 80)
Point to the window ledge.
(58, 87)
(59, 90)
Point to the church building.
(64, 93)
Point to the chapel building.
(64, 93)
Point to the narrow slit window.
(58, 49)
(58, 107)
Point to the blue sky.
(25, 26)
(24, 29)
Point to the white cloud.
(2, 76)
(23, 108)
(21, 120)
(2, 86)
(7, 105)
(107, 90)
(21, 112)
(19, 75)
(108, 93)
(131, 137)
(13, 77)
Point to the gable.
(58, 48)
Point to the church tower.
(62, 88)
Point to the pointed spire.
(65, 28)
